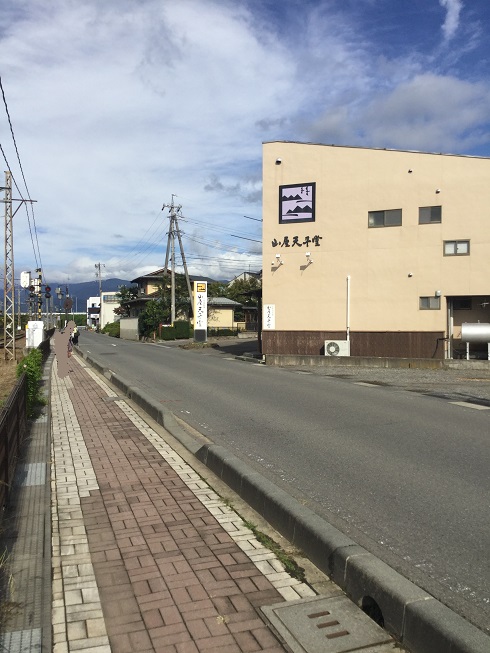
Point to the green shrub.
(113, 329)
(182, 329)
(32, 365)
(221, 331)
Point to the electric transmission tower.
(8, 276)
(174, 212)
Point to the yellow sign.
(201, 287)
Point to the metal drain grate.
(327, 625)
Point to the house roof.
(223, 301)
(159, 274)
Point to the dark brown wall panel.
(384, 344)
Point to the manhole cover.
(326, 625)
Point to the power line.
(38, 262)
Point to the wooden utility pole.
(174, 230)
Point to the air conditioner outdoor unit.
(337, 347)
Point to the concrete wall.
(129, 328)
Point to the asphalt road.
(405, 474)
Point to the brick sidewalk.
(146, 557)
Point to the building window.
(456, 247)
(430, 214)
(429, 303)
(462, 304)
(391, 218)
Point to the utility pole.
(98, 274)
(174, 230)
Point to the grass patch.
(8, 608)
(290, 565)
(32, 365)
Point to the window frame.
(431, 299)
(456, 243)
(430, 220)
(384, 212)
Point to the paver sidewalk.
(146, 557)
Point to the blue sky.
(118, 105)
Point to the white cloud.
(430, 113)
(451, 22)
(118, 105)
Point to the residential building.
(93, 312)
(388, 250)
(109, 302)
(221, 313)
(246, 276)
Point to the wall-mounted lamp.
(437, 293)
(308, 258)
(438, 190)
(278, 261)
(278, 162)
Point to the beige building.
(386, 250)
(221, 313)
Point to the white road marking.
(466, 404)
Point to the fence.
(13, 429)
(13, 426)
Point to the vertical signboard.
(200, 311)
(269, 317)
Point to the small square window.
(430, 214)
(389, 218)
(456, 247)
(431, 303)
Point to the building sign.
(269, 317)
(295, 241)
(297, 203)
(200, 311)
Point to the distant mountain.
(79, 292)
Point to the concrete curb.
(415, 618)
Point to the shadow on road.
(237, 347)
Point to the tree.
(159, 310)
(124, 296)
(217, 289)
(150, 319)
(245, 291)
